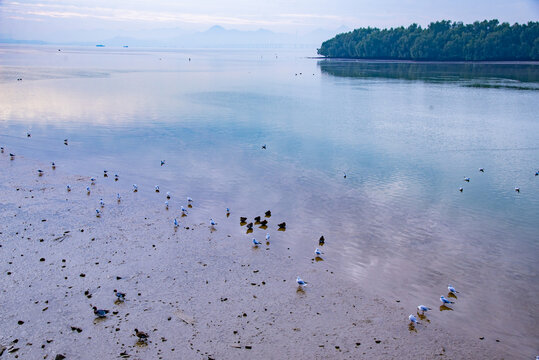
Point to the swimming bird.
(162, 162)
(100, 313)
(65, 141)
(481, 170)
(467, 179)
(282, 225)
(257, 219)
(168, 194)
(142, 336)
(423, 308)
(166, 204)
(301, 282)
(321, 241)
(189, 200)
(176, 224)
(28, 134)
(451, 289)
(413, 319)
(12, 156)
(250, 225)
(318, 252)
(92, 181)
(445, 301)
(97, 213)
(267, 213)
(227, 211)
(536, 173)
(53, 165)
(118, 197)
(344, 175)
(135, 188)
(156, 188)
(264, 146)
(119, 295)
(264, 222)
(256, 242)
(461, 189)
(2, 149)
(212, 223)
(102, 203)
(184, 210)
(517, 189)
(116, 177)
(39, 172)
(105, 173)
(68, 188)
(88, 190)
(267, 237)
(243, 219)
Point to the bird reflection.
(452, 295)
(423, 317)
(411, 327)
(445, 308)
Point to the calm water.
(405, 134)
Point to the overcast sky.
(54, 19)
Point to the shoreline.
(198, 293)
(482, 62)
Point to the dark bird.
(40, 172)
(100, 313)
(517, 190)
(142, 336)
(162, 162)
(2, 151)
(481, 170)
(536, 173)
(28, 134)
(268, 213)
(461, 189)
(119, 295)
(264, 222)
(264, 146)
(467, 179)
(282, 225)
(65, 141)
(243, 219)
(321, 241)
(53, 165)
(257, 219)
(345, 175)
(250, 225)
(12, 156)
(105, 173)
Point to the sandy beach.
(199, 293)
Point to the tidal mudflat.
(197, 291)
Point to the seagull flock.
(422, 309)
(120, 297)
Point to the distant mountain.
(215, 37)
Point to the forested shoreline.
(440, 41)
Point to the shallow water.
(397, 223)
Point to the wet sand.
(199, 293)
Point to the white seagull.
(267, 237)
(413, 319)
(68, 188)
(97, 213)
(135, 188)
(102, 203)
(189, 200)
(184, 210)
(118, 197)
(318, 252)
(451, 289)
(88, 190)
(301, 282)
(156, 188)
(212, 223)
(256, 242)
(445, 301)
(168, 194)
(166, 204)
(423, 308)
(176, 224)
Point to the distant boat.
(126, 46)
(100, 45)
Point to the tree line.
(444, 40)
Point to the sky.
(56, 20)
